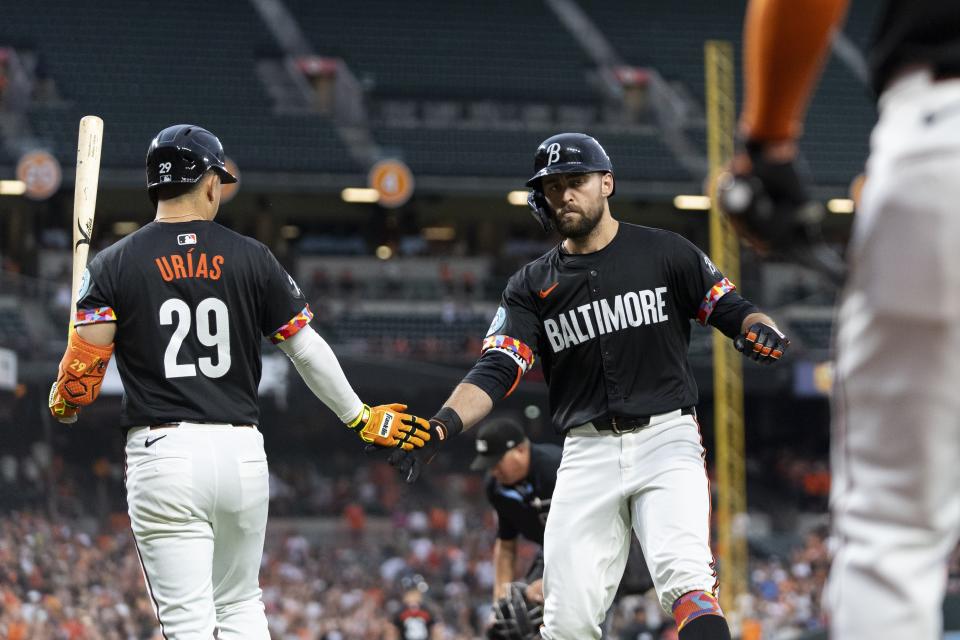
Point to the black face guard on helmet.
(563, 153)
(181, 154)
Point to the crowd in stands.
(344, 544)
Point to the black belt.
(174, 425)
(623, 424)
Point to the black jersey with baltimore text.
(611, 328)
(191, 301)
(522, 508)
(911, 32)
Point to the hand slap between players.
(443, 426)
(387, 426)
(762, 343)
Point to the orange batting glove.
(78, 382)
(387, 426)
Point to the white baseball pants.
(896, 441)
(652, 480)
(197, 499)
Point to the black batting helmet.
(181, 154)
(564, 153)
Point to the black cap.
(493, 440)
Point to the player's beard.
(581, 223)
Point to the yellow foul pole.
(731, 507)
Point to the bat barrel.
(89, 146)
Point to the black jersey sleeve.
(285, 309)
(515, 330)
(95, 298)
(705, 294)
(505, 529)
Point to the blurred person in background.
(416, 620)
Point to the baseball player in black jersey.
(185, 302)
(608, 313)
(896, 436)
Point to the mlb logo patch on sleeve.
(187, 238)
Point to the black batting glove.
(762, 343)
(410, 464)
(767, 202)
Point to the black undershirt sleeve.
(495, 372)
(729, 313)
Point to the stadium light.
(384, 252)
(518, 198)
(439, 234)
(12, 187)
(124, 228)
(356, 194)
(840, 205)
(692, 203)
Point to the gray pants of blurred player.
(896, 440)
(198, 499)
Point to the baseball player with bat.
(608, 314)
(184, 302)
(896, 432)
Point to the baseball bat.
(89, 144)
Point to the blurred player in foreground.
(185, 302)
(896, 428)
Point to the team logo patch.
(386, 424)
(85, 282)
(187, 238)
(710, 265)
(482, 446)
(553, 153)
(499, 320)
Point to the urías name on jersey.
(177, 266)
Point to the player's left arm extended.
(754, 333)
(383, 425)
(494, 376)
(81, 371)
(785, 46)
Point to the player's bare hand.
(761, 342)
(60, 409)
(387, 425)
